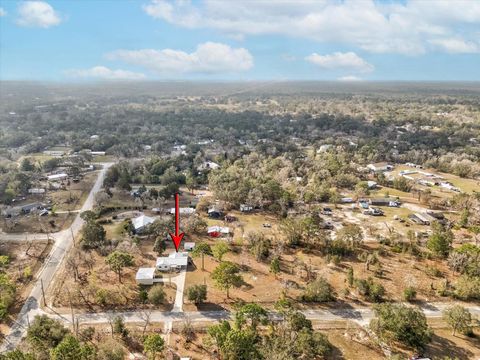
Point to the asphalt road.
(62, 243)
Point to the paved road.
(63, 242)
(359, 315)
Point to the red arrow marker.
(177, 238)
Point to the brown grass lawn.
(75, 195)
(122, 295)
(23, 256)
(466, 185)
(399, 271)
(349, 341)
(37, 224)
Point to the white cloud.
(339, 60)
(374, 26)
(37, 14)
(349, 78)
(2, 12)
(208, 57)
(455, 45)
(104, 73)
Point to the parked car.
(327, 211)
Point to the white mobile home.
(174, 261)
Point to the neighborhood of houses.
(37, 201)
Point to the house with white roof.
(174, 261)
(217, 231)
(182, 211)
(141, 223)
(380, 167)
(208, 165)
(57, 177)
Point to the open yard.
(25, 260)
(32, 223)
(394, 270)
(348, 340)
(98, 287)
(74, 195)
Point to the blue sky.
(250, 40)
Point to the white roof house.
(176, 260)
(141, 222)
(57, 177)
(209, 165)
(218, 230)
(145, 276)
(36, 191)
(183, 211)
(379, 167)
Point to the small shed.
(188, 246)
(145, 276)
(245, 208)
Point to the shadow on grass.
(440, 346)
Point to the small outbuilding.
(245, 208)
(188, 246)
(145, 276)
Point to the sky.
(112, 40)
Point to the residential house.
(380, 167)
(36, 191)
(419, 219)
(218, 231)
(141, 223)
(57, 177)
(208, 165)
(174, 261)
(182, 211)
(384, 202)
(29, 208)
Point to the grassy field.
(465, 185)
(26, 258)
